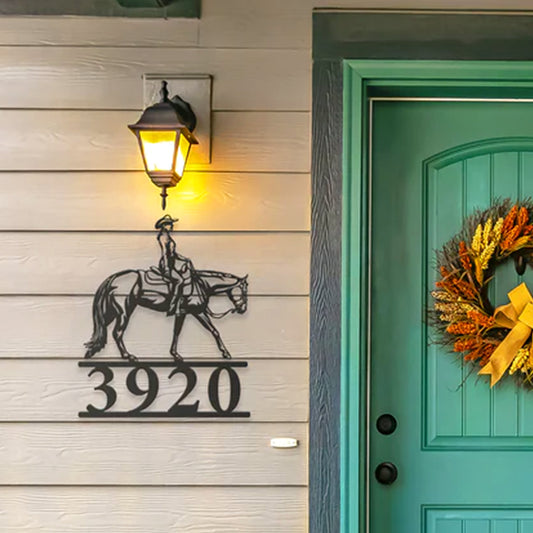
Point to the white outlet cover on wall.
(194, 89)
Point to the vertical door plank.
(505, 526)
(448, 196)
(476, 526)
(476, 396)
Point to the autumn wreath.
(499, 340)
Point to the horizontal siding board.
(129, 201)
(101, 8)
(76, 263)
(256, 23)
(100, 140)
(153, 509)
(45, 390)
(101, 31)
(110, 78)
(151, 454)
(57, 327)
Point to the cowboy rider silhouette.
(175, 268)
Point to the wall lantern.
(165, 137)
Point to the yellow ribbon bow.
(518, 317)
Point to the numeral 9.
(132, 383)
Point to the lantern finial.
(164, 91)
(164, 198)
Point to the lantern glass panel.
(182, 155)
(158, 149)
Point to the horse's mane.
(218, 281)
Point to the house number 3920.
(145, 383)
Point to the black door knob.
(386, 473)
(386, 424)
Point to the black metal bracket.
(185, 111)
(181, 107)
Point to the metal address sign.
(148, 392)
(130, 389)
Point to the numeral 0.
(214, 389)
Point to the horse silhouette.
(119, 295)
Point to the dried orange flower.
(465, 345)
(509, 220)
(464, 256)
(483, 352)
(456, 286)
(480, 318)
(461, 328)
(523, 217)
(510, 238)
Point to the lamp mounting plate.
(196, 90)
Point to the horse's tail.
(100, 318)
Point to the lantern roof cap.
(168, 114)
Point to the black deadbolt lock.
(386, 473)
(386, 424)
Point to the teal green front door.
(463, 452)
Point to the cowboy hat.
(167, 220)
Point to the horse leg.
(178, 324)
(209, 326)
(121, 323)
